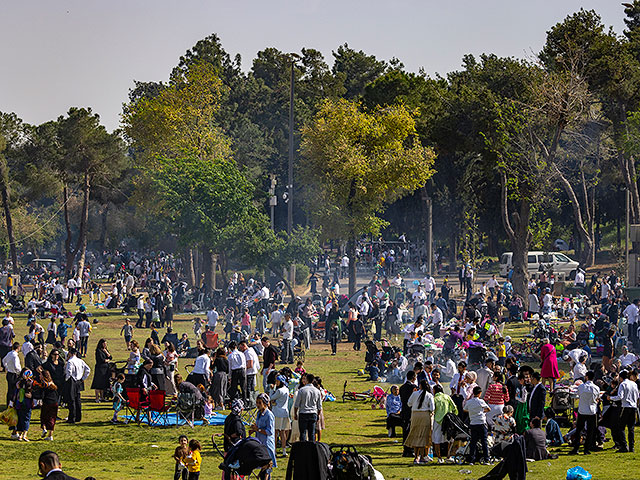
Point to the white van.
(561, 265)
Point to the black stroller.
(455, 430)
(372, 351)
(243, 458)
(477, 357)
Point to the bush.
(302, 274)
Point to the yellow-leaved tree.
(355, 163)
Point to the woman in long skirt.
(419, 438)
(49, 408)
(521, 415)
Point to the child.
(208, 406)
(62, 330)
(181, 451)
(478, 409)
(501, 350)
(300, 368)
(334, 333)
(118, 399)
(193, 460)
(154, 335)
(127, 330)
(554, 435)
(197, 326)
(504, 426)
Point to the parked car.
(559, 263)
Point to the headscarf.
(264, 398)
(283, 379)
(237, 406)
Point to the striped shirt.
(495, 394)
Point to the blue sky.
(61, 53)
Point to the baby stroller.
(515, 310)
(372, 351)
(243, 458)
(129, 306)
(477, 357)
(416, 350)
(456, 431)
(562, 403)
(388, 353)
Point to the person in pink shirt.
(245, 323)
(549, 358)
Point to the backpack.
(186, 402)
(347, 464)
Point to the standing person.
(443, 405)
(55, 366)
(264, 428)
(419, 438)
(537, 397)
(405, 391)
(101, 373)
(127, 331)
(23, 402)
(609, 350)
(245, 323)
(589, 396)
(118, 400)
(193, 460)
(549, 371)
(238, 367)
(436, 319)
(84, 328)
(234, 430)
(280, 407)
(49, 408)
(287, 337)
(75, 373)
(220, 379)
(496, 396)
(478, 409)
(307, 406)
(140, 308)
(6, 338)
(11, 363)
(201, 369)
(269, 359)
(628, 395)
(157, 371)
(334, 334)
(181, 451)
(358, 332)
(252, 368)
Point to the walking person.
(23, 402)
(76, 372)
(84, 329)
(238, 368)
(264, 428)
(280, 408)
(628, 395)
(287, 337)
(589, 396)
(11, 363)
(220, 379)
(49, 407)
(101, 372)
(307, 407)
(419, 438)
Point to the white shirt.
(475, 406)
(579, 371)
(202, 364)
(11, 362)
(628, 393)
(212, 318)
(436, 316)
(427, 404)
(418, 295)
(547, 300)
(604, 292)
(344, 262)
(250, 354)
(588, 395)
(396, 282)
(627, 359)
(631, 312)
(287, 330)
(71, 283)
(579, 278)
(76, 369)
(492, 283)
(237, 360)
(276, 317)
(140, 303)
(576, 353)
(26, 348)
(534, 306)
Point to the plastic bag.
(578, 473)
(9, 417)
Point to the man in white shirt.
(492, 284)
(212, 318)
(11, 363)
(588, 398)
(75, 373)
(435, 319)
(409, 331)
(287, 337)
(253, 367)
(626, 357)
(84, 327)
(579, 280)
(478, 410)
(397, 281)
(71, 285)
(238, 367)
(628, 395)
(344, 266)
(307, 407)
(631, 313)
(604, 291)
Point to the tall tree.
(355, 163)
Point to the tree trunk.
(84, 223)
(351, 249)
(214, 267)
(209, 269)
(190, 269)
(70, 254)
(103, 226)
(279, 276)
(6, 202)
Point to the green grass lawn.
(97, 448)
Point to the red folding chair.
(158, 408)
(136, 405)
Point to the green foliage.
(355, 163)
(302, 273)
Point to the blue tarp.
(217, 419)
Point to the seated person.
(536, 441)
(183, 343)
(374, 372)
(554, 435)
(394, 375)
(393, 405)
(504, 426)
